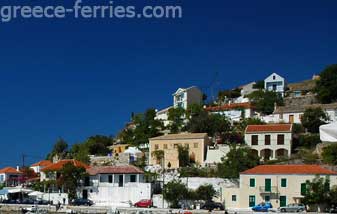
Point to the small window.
(255, 140)
(267, 198)
(195, 145)
(132, 178)
(303, 188)
(283, 182)
(280, 139)
(156, 146)
(233, 197)
(165, 146)
(252, 182)
(267, 139)
(101, 179)
(110, 178)
(274, 77)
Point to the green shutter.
(283, 201)
(267, 183)
(303, 188)
(252, 182)
(267, 198)
(283, 182)
(251, 200)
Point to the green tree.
(145, 127)
(60, 149)
(333, 195)
(176, 117)
(329, 154)
(70, 178)
(326, 87)
(80, 152)
(259, 84)
(208, 123)
(193, 110)
(174, 191)
(264, 101)
(313, 118)
(206, 192)
(238, 159)
(183, 156)
(317, 191)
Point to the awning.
(19, 190)
(328, 132)
(3, 192)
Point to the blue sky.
(76, 78)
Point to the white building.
(162, 115)
(233, 111)
(184, 97)
(278, 184)
(215, 153)
(293, 114)
(247, 89)
(10, 176)
(109, 185)
(40, 165)
(275, 83)
(270, 141)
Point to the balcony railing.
(272, 189)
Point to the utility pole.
(23, 160)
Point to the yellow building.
(278, 184)
(195, 142)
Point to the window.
(101, 179)
(252, 182)
(132, 178)
(280, 139)
(165, 146)
(195, 145)
(251, 200)
(283, 182)
(267, 183)
(267, 198)
(274, 77)
(110, 178)
(267, 139)
(303, 188)
(233, 197)
(156, 146)
(2, 178)
(255, 139)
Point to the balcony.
(264, 190)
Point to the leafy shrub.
(309, 140)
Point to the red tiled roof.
(10, 170)
(289, 169)
(269, 128)
(43, 163)
(127, 169)
(229, 106)
(59, 165)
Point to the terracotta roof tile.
(269, 128)
(10, 170)
(289, 169)
(59, 165)
(125, 169)
(229, 106)
(181, 136)
(43, 163)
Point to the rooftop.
(9, 170)
(42, 163)
(125, 169)
(302, 108)
(289, 169)
(181, 136)
(59, 165)
(269, 128)
(229, 106)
